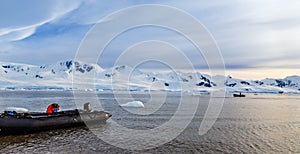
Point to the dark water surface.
(255, 124)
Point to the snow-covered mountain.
(56, 76)
(66, 75)
(290, 84)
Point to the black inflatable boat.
(13, 122)
(239, 95)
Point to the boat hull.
(239, 95)
(34, 122)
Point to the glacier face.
(62, 75)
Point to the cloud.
(255, 33)
(250, 34)
(20, 24)
(18, 33)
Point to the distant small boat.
(280, 92)
(239, 95)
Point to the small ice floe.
(133, 104)
(16, 109)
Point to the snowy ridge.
(59, 76)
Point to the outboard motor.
(87, 107)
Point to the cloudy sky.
(257, 38)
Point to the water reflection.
(255, 124)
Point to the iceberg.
(137, 104)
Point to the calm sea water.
(255, 124)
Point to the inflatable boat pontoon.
(18, 121)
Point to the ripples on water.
(255, 124)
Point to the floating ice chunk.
(16, 109)
(133, 104)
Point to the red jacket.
(51, 108)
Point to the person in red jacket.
(53, 108)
